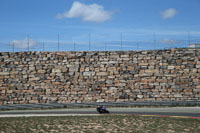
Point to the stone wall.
(106, 76)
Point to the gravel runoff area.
(99, 123)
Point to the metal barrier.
(107, 104)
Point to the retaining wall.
(105, 76)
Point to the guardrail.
(107, 104)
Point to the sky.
(46, 23)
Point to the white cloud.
(168, 41)
(24, 43)
(91, 13)
(169, 13)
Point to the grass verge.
(102, 123)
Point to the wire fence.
(29, 44)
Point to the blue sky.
(104, 20)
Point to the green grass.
(101, 124)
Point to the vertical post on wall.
(89, 41)
(74, 46)
(13, 47)
(58, 42)
(105, 46)
(189, 38)
(43, 46)
(28, 41)
(121, 40)
(154, 42)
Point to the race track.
(190, 112)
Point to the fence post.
(105, 46)
(74, 46)
(121, 40)
(58, 42)
(28, 41)
(189, 38)
(13, 46)
(154, 36)
(89, 42)
(43, 46)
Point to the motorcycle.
(102, 110)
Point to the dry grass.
(101, 124)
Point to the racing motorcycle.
(102, 110)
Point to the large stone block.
(102, 74)
(41, 71)
(4, 73)
(56, 71)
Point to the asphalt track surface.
(187, 112)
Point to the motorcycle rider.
(100, 109)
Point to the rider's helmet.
(98, 107)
